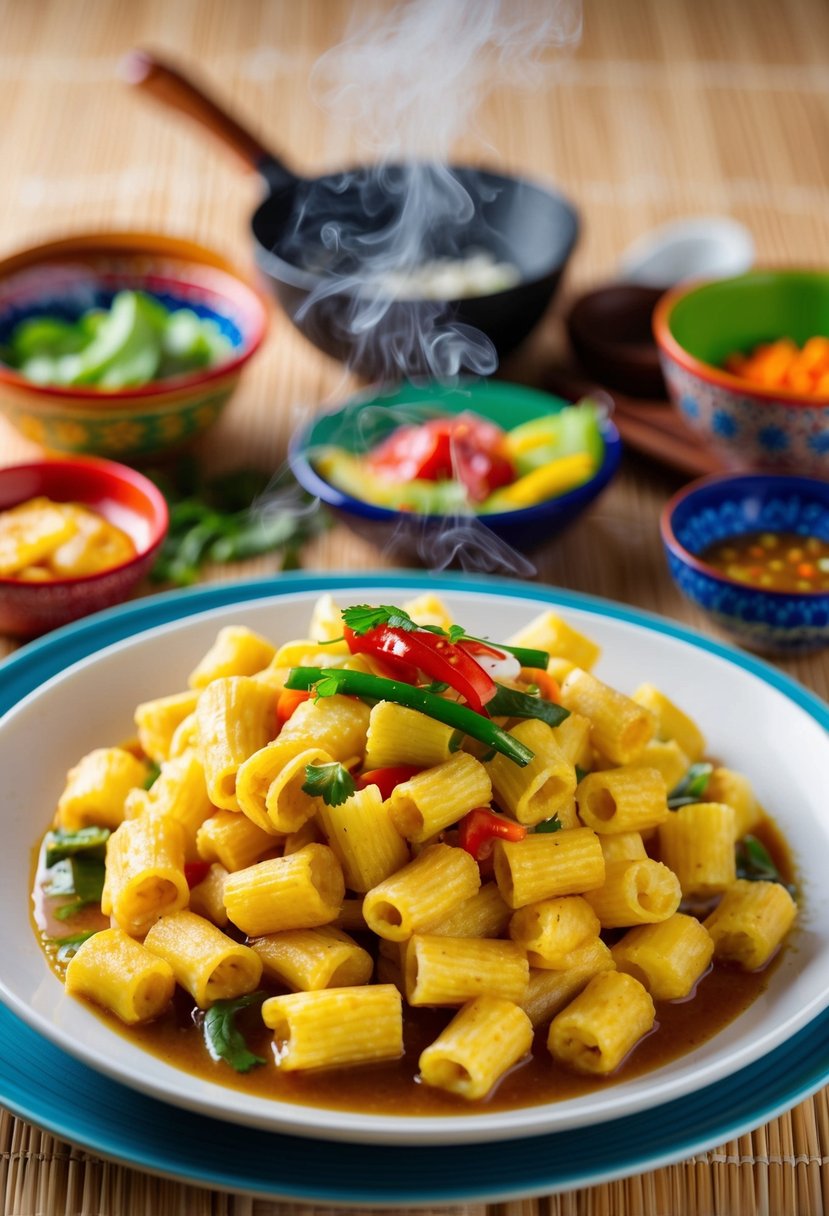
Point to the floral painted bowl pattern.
(748, 432)
(771, 622)
(68, 277)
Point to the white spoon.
(700, 247)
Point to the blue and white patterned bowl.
(717, 508)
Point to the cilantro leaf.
(69, 945)
(692, 786)
(362, 618)
(153, 774)
(61, 844)
(754, 863)
(581, 773)
(80, 876)
(224, 1040)
(549, 825)
(331, 782)
(509, 703)
(328, 686)
(456, 632)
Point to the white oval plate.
(755, 720)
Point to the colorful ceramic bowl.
(123, 496)
(697, 327)
(67, 277)
(718, 508)
(438, 541)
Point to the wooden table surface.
(668, 108)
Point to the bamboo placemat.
(669, 108)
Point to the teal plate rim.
(42, 1084)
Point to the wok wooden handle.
(172, 88)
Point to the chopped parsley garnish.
(692, 786)
(754, 863)
(549, 825)
(223, 1038)
(331, 782)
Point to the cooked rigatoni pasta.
(237, 651)
(750, 922)
(442, 970)
(337, 725)
(438, 797)
(697, 843)
(549, 991)
(97, 788)
(419, 896)
(599, 1027)
(397, 735)
(522, 876)
(235, 717)
(115, 971)
(158, 720)
(335, 1026)
(478, 1046)
(484, 914)
(622, 800)
(367, 843)
(207, 898)
(544, 787)
(549, 632)
(671, 721)
(637, 892)
(232, 840)
(620, 728)
(307, 959)
(668, 958)
(543, 866)
(297, 892)
(550, 932)
(206, 962)
(144, 873)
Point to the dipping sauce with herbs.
(775, 561)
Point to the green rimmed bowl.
(698, 326)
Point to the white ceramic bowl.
(751, 723)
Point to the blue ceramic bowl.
(720, 507)
(438, 541)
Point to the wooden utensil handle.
(172, 88)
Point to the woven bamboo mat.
(669, 108)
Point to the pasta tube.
(206, 962)
(207, 898)
(397, 735)
(478, 1046)
(548, 864)
(623, 800)
(668, 958)
(697, 843)
(158, 720)
(549, 991)
(549, 632)
(635, 893)
(337, 725)
(97, 787)
(365, 840)
(725, 785)
(750, 922)
(302, 891)
(419, 896)
(233, 841)
(453, 970)
(484, 914)
(669, 758)
(541, 789)
(335, 1027)
(621, 728)
(438, 797)
(594, 1033)
(269, 785)
(549, 932)
(305, 960)
(672, 722)
(144, 873)
(117, 972)
(235, 717)
(237, 651)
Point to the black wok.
(319, 240)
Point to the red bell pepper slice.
(289, 700)
(480, 828)
(195, 872)
(466, 447)
(435, 656)
(387, 779)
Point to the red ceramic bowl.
(122, 496)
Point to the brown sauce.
(392, 1088)
(775, 561)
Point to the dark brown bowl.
(611, 335)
